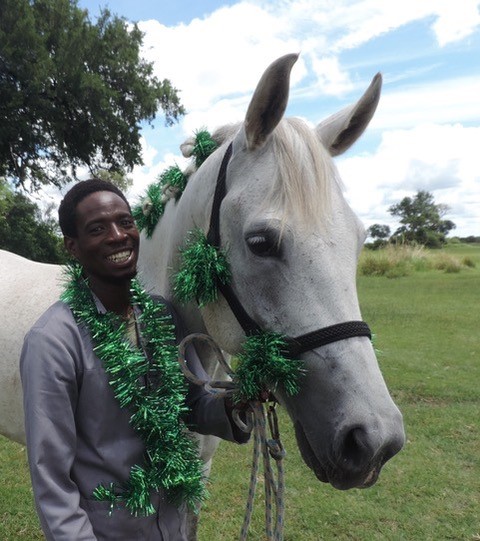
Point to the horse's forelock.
(305, 173)
(301, 186)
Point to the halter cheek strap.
(300, 344)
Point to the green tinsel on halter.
(171, 183)
(262, 366)
(202, 265)
(172, 461)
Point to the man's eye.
(127, 222)
(95, 230)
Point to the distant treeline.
(470, 238)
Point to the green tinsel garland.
(204, 146)
(172, 461)
(262, 366)
(201, 266)
(150, 211)
(173, 180)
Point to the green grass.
(18, 520)
(427, 328)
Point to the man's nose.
(117, 232)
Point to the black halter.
(295, 346)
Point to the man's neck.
(115, 297)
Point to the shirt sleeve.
(209, 414)
(50, 392)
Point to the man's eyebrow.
(93, 221)
(100, 219)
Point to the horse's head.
(293, 243)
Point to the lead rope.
(268, 448)
(274, 488)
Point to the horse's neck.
(155, 258)
(159, 255)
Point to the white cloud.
(456, 20)
(350, 23)
(221, 55)
(446, 101)
(331, 79)
(441, 159)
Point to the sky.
(425, 134)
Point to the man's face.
(107, 239)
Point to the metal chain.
(268, 448)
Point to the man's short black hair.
(67, 215)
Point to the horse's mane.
(304, 171)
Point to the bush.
(400, 269)
(374, 265)
(391, 261)
(470, 239)
(467, 261)
(395, 261)
(454, 240)
(446, 263)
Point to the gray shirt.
(78, 436)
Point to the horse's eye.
(263, 244)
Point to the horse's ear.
(269, 101)
(339, 131)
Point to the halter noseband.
(295, 346)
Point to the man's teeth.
(120, 257)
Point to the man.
(78, 435)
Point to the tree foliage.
(25, 232)
(421, 220)
(119, 178)
(379, 231)
(72, 93)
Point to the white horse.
(293, 244)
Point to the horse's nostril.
(361, 448)
(356, 449)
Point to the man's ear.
(70, 244)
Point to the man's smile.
(120, 257)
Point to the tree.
(73, 93)
(118, 178)
(380, 234)
(25, 232)
(379, 231)
(421, 220)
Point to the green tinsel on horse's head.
(170, 185)
(204, 146)
(202, 266)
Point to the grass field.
(427, 326)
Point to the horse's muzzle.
(356, 460)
